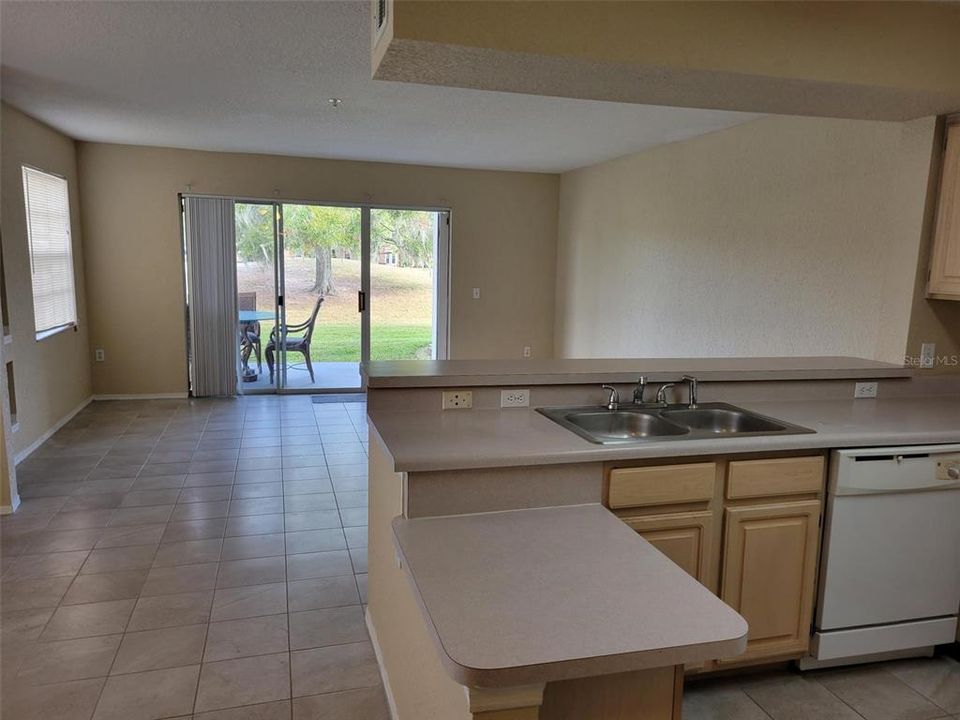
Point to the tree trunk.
(323, 283)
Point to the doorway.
(322, 287)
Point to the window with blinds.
(47, 204)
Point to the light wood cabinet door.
(769, 574)
(945, 256)
(686, 538)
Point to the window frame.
(42, 334)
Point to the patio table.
(247, 317)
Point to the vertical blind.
(47, 204)
(212, 295)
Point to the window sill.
(44, 334)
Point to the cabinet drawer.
(662, 485)
(774, 476)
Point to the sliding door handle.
(361, 301)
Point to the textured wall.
(784, 236)
(52, 377)
(503, 241)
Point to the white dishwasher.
(890, 572)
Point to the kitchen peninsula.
(519, 571)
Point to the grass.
(341, 342)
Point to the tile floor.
(191, 559)
(207, 560)
(918, 689)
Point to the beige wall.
(784, 236)
(52, 377)
(936, 321)
(503, 241)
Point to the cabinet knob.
(953, 472)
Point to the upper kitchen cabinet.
(945, 259)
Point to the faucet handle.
(662, 393)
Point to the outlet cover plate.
(457, 399)
(865, 390)
(514, 397)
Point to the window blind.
(47, 202)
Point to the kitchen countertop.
(528, 596)
(451, 373)
(462, 439)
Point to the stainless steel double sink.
(645, 423)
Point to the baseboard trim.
(143, 396)
(391, 703)
(27, 451)
(11, 508)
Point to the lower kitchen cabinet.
(686, 538)
(769, 574)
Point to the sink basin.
(648, 423)
(721, 420)
(624, 424)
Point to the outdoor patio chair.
(249, 332)
(294, 344)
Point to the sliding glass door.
(321, 288)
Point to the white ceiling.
(256, 76)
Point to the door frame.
(443, 255)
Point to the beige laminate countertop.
(474, 373)
(462, 439)
(528, 596)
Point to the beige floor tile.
(80, 520)
(65, 660)
(354, 517)
(59, 701)
(200, 511)
(328, 626)
(362, 586)
(352, 499)
(333, 669)
(194, 530)
(938, 679)
(307, 487)
(180, 579)
(319, 593)
(250, 636)
(244, 681)
(126, 536)
(133, 516)
(256, 506)
(357, 537)
(315, 541)
(320, 564)
(245, 547)
(723, 701)
(32, 593)
(158, 649)
(189, 552)
(362, 704)
(797, 698)
(105, 586)
(255, 571)
(254, 525)
(24, 624)
(47, 565)
(313, 520)
(257, 490)
(171, 610)
(279, 710)
(148, 695)
(132, 557)
(77, 621)
(878, 695)
(311, 503)
(205, 493)
(249, 601)
(349, 484)
(64, 540)
(358, 556)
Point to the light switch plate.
(865, 390)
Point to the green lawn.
(341, 342)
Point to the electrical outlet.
(514, 398)
(928, 355)
(527, 351)
(476, 293)
(865, 390)
(99, 355)
(457, 399)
